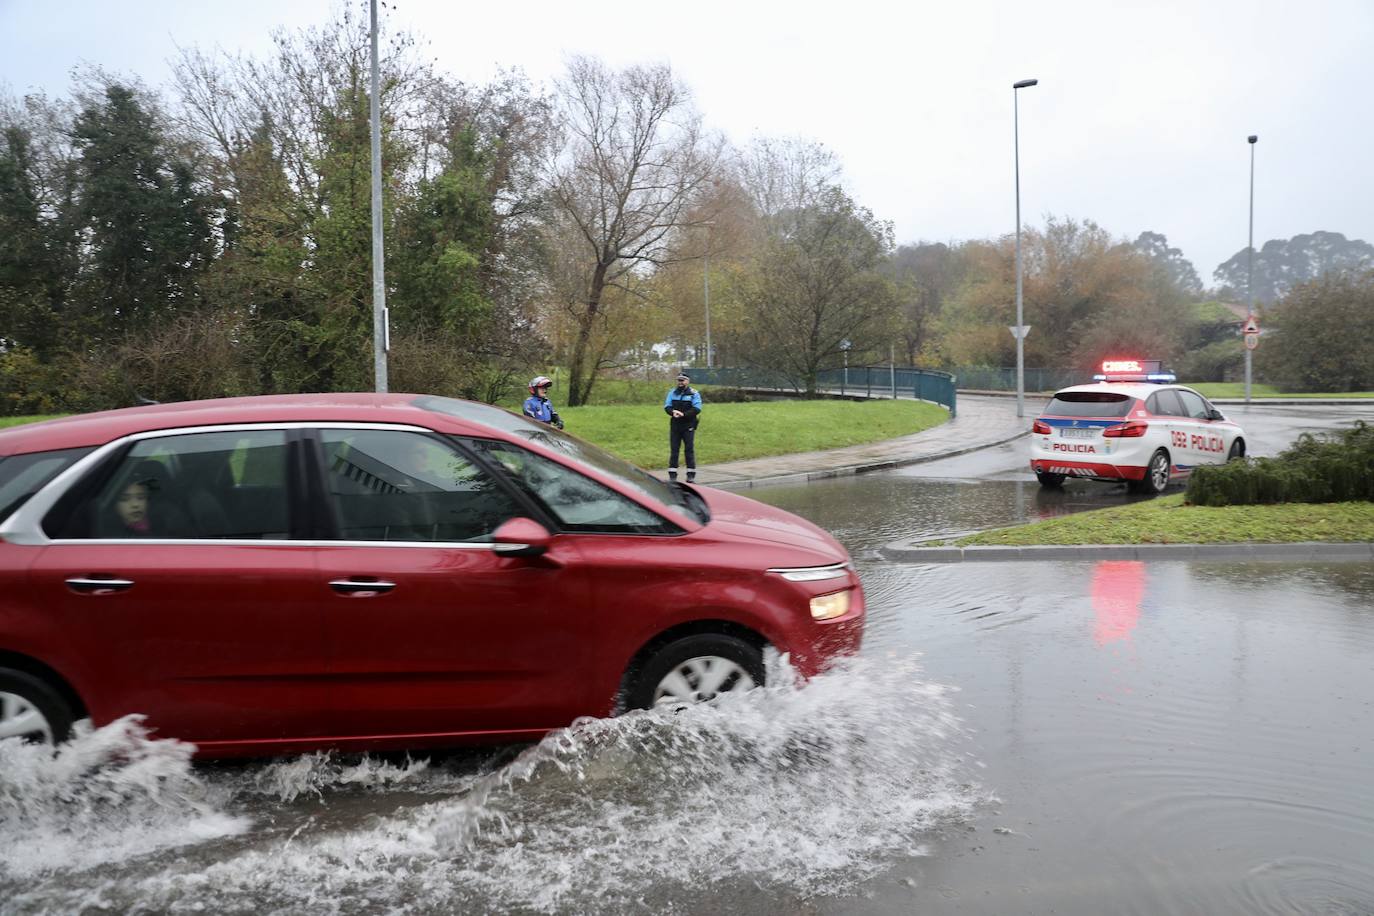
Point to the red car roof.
(91, 429)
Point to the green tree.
(816, 286)
(1281, 264)
(1176, 269)
(31, 277)
(1320, 337)
(145, 217)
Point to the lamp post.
(1020, 329)
(1250, 266)
(381, 341)
(706, 294)
(706, 288)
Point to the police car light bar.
(1134, 370)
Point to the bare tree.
(636, 159)
(787, 174)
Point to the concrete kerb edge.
(1303, 551)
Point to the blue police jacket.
(689, 402)
(537, 408)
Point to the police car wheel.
(1049, 480)
(1156, 479)
(1237, 450)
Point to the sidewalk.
(982, 422)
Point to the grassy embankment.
(627, 418)
(1167, 520)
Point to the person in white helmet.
(538, 406)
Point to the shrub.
(1335, 468)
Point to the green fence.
(869, 381)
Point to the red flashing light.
(1041, 427)
(1122, 365)
(1133, 429)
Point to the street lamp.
(1020, 330)
(1250, 266)
(706, 288)
(381, 337)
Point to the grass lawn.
(730, 432)
(1167, 520)
(1237, 390)
(15, 421)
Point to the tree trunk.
(579, 388)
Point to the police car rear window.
(1089, 404)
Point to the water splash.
(313, 774)
(107, 794)
(804, 789)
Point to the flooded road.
(1075, 737)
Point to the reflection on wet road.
(1162, 737)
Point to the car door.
(1206, 443)
(430, 630)
(213, 636)
(1169, 415)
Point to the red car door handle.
(361, 586)
(96, 586)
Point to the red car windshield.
(552, 438)
(1089, 404)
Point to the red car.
(356, 571)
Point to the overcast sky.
(1139, 121)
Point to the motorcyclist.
(538, 406)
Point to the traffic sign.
(1019, 331)
(1251, 327)
(1251, 341)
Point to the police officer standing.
(683, 406)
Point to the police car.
(1132, 425)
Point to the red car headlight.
(828, 607)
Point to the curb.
(850, 470)
(1304, 551)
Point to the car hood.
(741, 517)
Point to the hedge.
(1334, 468)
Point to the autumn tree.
(635, 160)
(925, 277)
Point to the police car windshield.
(1089, 404)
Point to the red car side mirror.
(521, 537)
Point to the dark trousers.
(682, 435)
